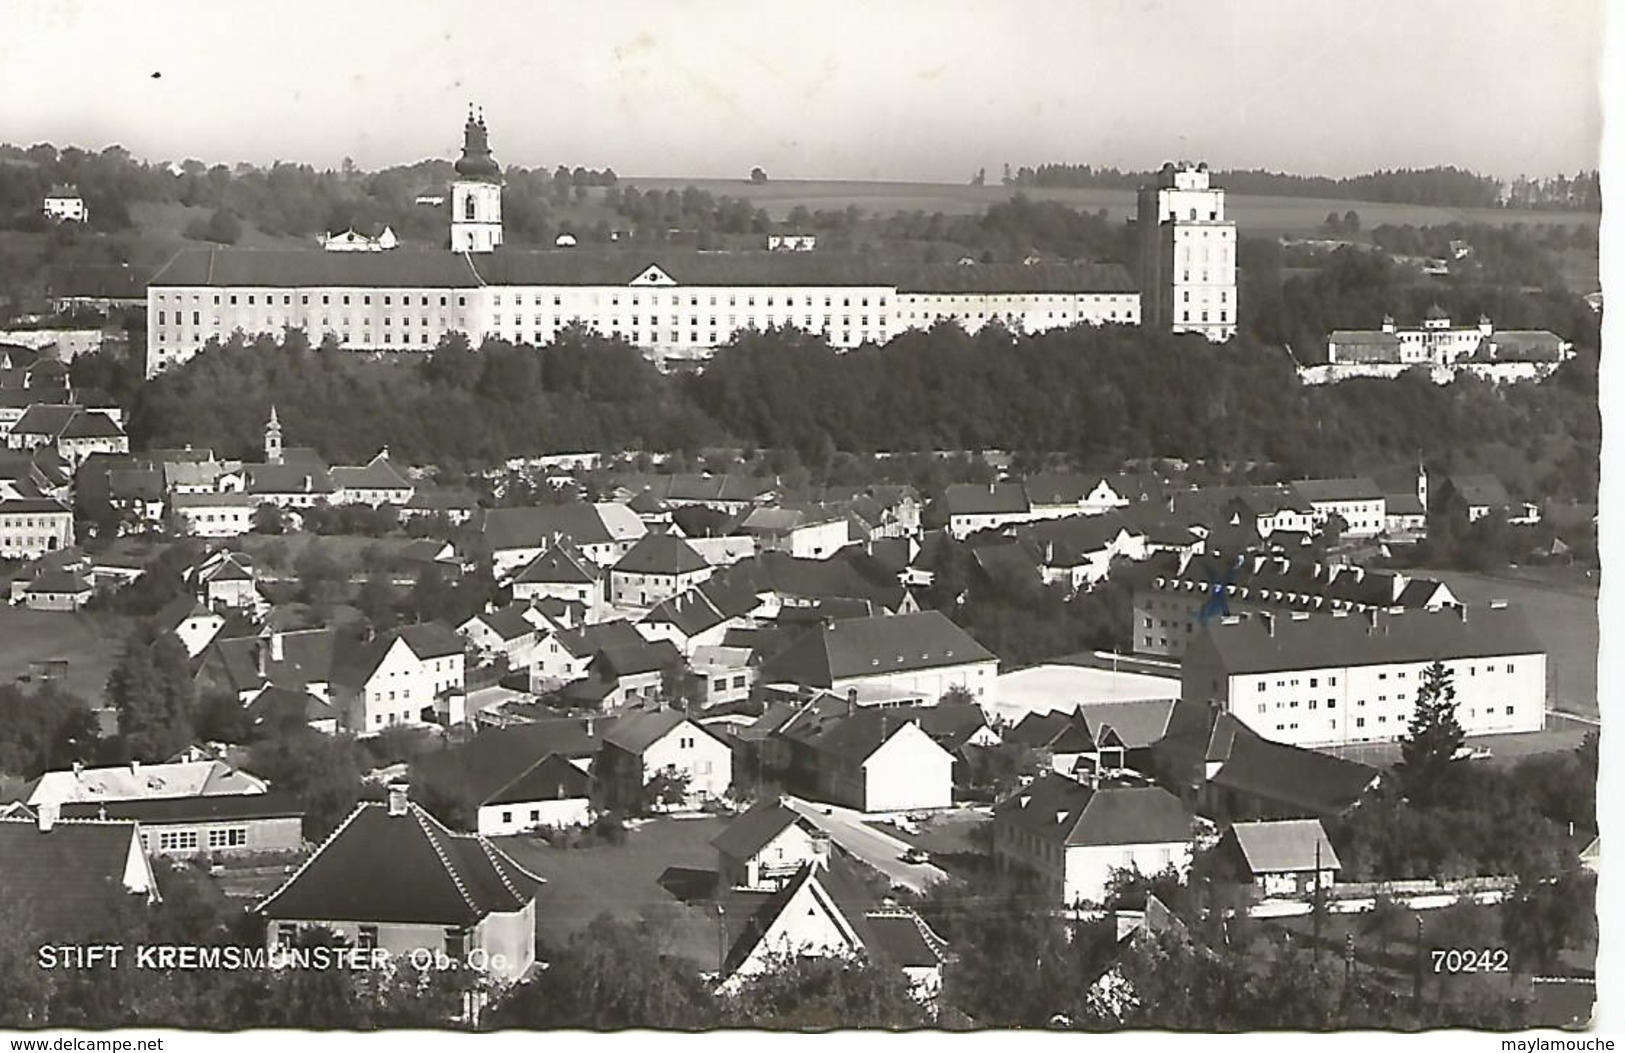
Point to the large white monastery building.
(673, 303)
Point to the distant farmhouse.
(63, 203)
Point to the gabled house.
(1281, 857)
(804, 531)
(287, 707)
(972, 507)
(457, 506)
(701, 617)
(287, 485)
(564, 655)
(228, 514)
(1053, 495)
(642, 744)
(227, 579)
(658, 568)
(1246, 776)
(824, 911)
(602, 533)
(621, 676)
(410, 675)
(62, 878)
(74, 432)
(1359, 502)
(562, 573)
(1073, 835)
(519, 778)
(194, 624)
(391, 878)
(378, 482)
(1077, 551)
(917, 652)
(764, 847)
(505, 632)
(873, 759)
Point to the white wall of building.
(705, 759)
(979, 678)
(908, 771)
(1089, 867)
(502, 820)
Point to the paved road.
(879, 850)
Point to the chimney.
(397, 798)
(135, 767)
(1371, 621)
(1268, 618)
(590, 722)
(262, 650)
(851, 701)
(78, 769)
(47, 814)
(276, 647)
(1462, 610)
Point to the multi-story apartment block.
(1336, 679)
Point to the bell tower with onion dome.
(476, 194)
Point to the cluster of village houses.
(786, 661)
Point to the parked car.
(916, 856)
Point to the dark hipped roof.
(1314, 782)
(965, 499)
(875, 646)
(661, 554)
(65, 879)
(578, 521)
(496, 758)
(636, 732)
(406, 869)
(1059, 809)
(551, 779)
(1359, 488)
(1248, 645)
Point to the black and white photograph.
(805, 516)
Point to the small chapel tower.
(273, 439)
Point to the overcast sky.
(883, 89)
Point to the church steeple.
(477, 162)
(476, 193)
(273, 439)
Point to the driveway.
(879, 850)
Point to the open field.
(1561, 609)
(641, 878)
(277, 554)
(88, 643)
(1258, 214)
(169, 220)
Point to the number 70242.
(1469, 960)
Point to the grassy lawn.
(88, 643)
(642, 878)
(1560, 606)
(1255, 214)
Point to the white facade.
(502, 820)
(1340, 703)
(31, 528)
(215, 515)
(399, 690)
(908, 771)
(197, 629)
(1366, 517)
(476, 216)
(69, 207)
(706, 760)
(1188, 255)
(1088, 868)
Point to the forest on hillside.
(1098, 396)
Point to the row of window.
(187, 840)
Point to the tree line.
(1439, 185)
